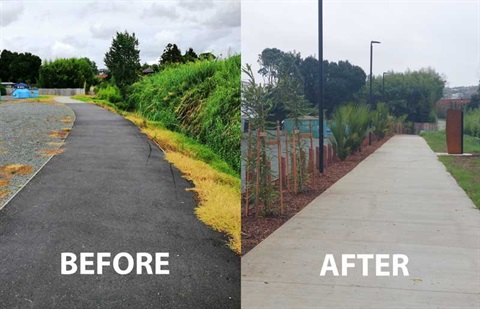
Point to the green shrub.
(358, 121)
(110, 93)
(471, 122)
(350, 126)
(380, 120)
(339, 130)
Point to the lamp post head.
(375, 42)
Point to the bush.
(350, 126)
(110, 93)
(471, 122)
(3, 91)
(380, 120)
(339, 129)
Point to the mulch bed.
(255, 229)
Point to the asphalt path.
(111, 191)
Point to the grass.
(437, 141)
(41, 99)
(216, 183)
(47, 152)
(465, 170)
(10, 170)
(200, 100)
(219, 194)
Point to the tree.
(123, 60)
(475, 100)
(412, 93)
(257, 100)
(206, 56)
(19, 67)
(269, 61)
(67, 73)
(342, 80)
(171, 54)
(190, 56)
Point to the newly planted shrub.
(339, 129)
(358, 121)
(350, 126)
(380, 120)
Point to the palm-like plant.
(358, 121)
(339, 130)
(350, 126)
(380, 120)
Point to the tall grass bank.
(199, 99)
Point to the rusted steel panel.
(454, 131)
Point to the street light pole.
(383, 86)
(320, 76)
(371, 98)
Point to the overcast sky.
(56, 29)
(414, 34)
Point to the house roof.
(452, 101)
(148, 70)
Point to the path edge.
(45, 163)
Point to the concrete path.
(111, 191)
(400, 200)
(67, 100)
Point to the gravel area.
(25, 140)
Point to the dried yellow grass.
(4, 192)
(4, 182)
(66, 119)
(219, 196)
(218, 193)
(13, 169)
(47, 152)
(60, 134)
(55, 144)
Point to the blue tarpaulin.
(25, 93)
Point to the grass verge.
(465, 170)
(41, 99)
(216, 184)
(437, 141)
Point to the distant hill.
(459, 92)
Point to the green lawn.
(437, 141)
(466, 170)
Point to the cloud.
(86, 28)
(227, 14)
(165, 36)
(11, 11)
(62, 50)
(101, 31)
(199, 5)
(159, 10)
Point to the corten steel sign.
(454, 131)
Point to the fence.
(61, 91)
(424, 126)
